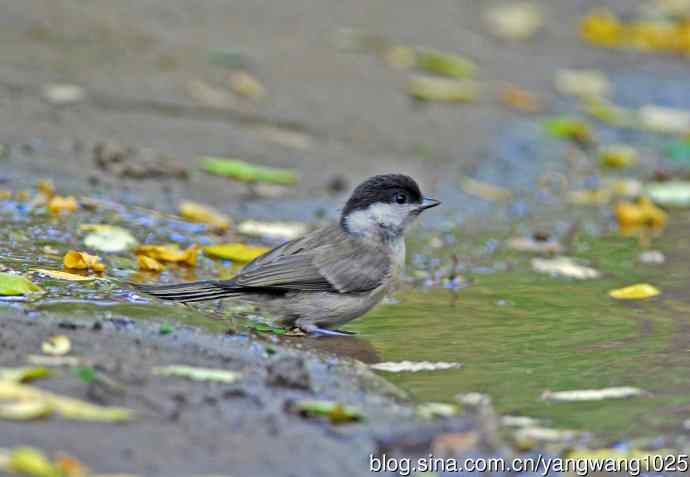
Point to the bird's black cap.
(382, 188)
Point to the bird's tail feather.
(188, 292)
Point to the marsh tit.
(331, 275)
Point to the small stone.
(63, 93)
(652, 257)
(290, 372)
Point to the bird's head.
(383, 206)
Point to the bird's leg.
(312, 329)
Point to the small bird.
(331, 275)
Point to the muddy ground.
(329, 115)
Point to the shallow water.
(519, 333)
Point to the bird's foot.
(314, 330)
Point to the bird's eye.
(400, 198)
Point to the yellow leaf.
(31, 462)
(196, 212)
(56, 345)
(65, 406)
(644, 213)
(46, 188)
(149, 264)
(82, 261)
(485, 190)
(635, 292)
(521, 99)
(238, 252)
(71, 467)
(246, 85)
(58, 205)
(24, 410)
(23, 374)
(60, 275)
(169, 253)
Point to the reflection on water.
(519, 333)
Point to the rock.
(290, 372)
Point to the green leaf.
(11, 284)
(18, 375)
(85, 373)
(165, 329)
(198, 374)
(336, 412)
(444, 64)
(246, 172)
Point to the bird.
(332, 275)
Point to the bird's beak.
(428, 203)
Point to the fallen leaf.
(670, 194)
(74, 260)
(664, 120)
(238, 252)
(530, 437)
(18, 375)
(246, 85)
(61, 94)
(59, 205)
(530, 244)
(149, 264)
(246, 172)
(40, 360)
(623, 392)
(455, 443)
(431, 410)
(615, 456)
(618, 156)
(169, 253)
(589, 197)
(521, 99)
(652, 257)
(444, 64)
(485, 190)
(400, 57)
(514, 21)
(644, 213)
(165, 329)
(427, 88)
(31, 462)
(46, 188)
(12, 285)
(108, 238)
(635, 292)
(273, 230)
(413, 366)
(56, 345)
(209, 95)
(60, 275)
(583, 83)
(198, 374)
(24, 410)
(564, 267)
(196, 212)
(571, 129)
(336, 412)
(71, 467)
(65, 406)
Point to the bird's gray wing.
(325, 260)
